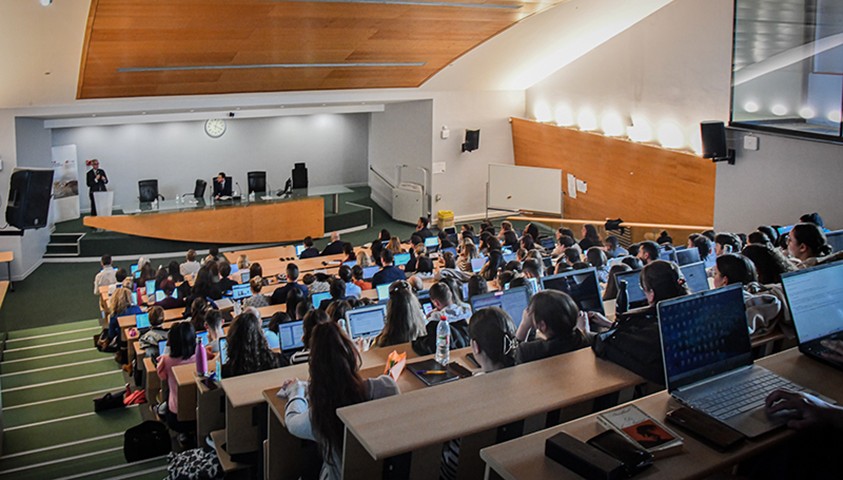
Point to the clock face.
(215, 127)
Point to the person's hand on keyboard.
(834, 352)
(806, 410)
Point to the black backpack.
(426, 345)
(634, 344)
(148, 440)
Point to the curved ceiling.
(191, 47)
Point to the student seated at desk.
(190, 266)
(156, 333)
(806, 242)
(182, 343)
(357, 275)
(763, 310)
(468, 252)
(419, 262)
(309, 250)
(770, 263)
(348, 251)
(457, 315)
(335, 247)
(213, 325)
(257, 299)
(225, 283)
(611, 291)
(613, 247)
(553, 314)
(335, 382)
(597, 259)
(377, 246)
(404, 321)
(296, 304)
(119, 305)
(248, 350)
(633, 340)
(105, 277)
(507, 235)
(169, 301)
(351, 289)
(388, 273)
(206, 284)
(311, 319)
(279, 296)
(477, 285)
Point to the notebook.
(513, 301)
(581, 285)
(366, 321)
(687, 256)
(634, 293)
(431, 373)
(241, 291)
(290, 335)
(815, 297)
(708, 360)
(318, 298)
(695, 277)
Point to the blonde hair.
(394, 245)
(243, 261)
(256, 283)
(120, 300)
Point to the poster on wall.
(65, 203)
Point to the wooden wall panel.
(632, 181)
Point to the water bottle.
(622, 302)
(201, 358)
(443, 341)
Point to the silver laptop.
(815, 297)
(708, 360)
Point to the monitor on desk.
(581, 285)
(290, 335)
(366, 321)
(513, 301)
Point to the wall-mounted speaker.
(714, 142)
(472, 141)
(30, 191)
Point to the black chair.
(198, 190)
(257, 182)
(148, 191)
(300, 176)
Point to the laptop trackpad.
(756, 422)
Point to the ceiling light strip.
(486, 6)
(182, 68)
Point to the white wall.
(775, 185)
(673, 65)
(400, 135)
(333, 146)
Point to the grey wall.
(783, 179)
(334, 147)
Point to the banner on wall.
(65, 203)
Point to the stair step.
(63, 249)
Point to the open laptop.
(477, 264)
(581, 285)
(400, 259)
(835, 240)
(142, 321)
(453, 251)
(425, 302)
(383, 292)
(203, 336)
(290, 335)
(634, 293)
(366, 321)
(667, 254)
(695, 277)
(708, 360)
(686, 256)
(299, 249)
(244, 276)
(548, 243)
(223, 350)
(150, 288)
(318, 298)
(369, 272)
(431, 244)
(241, 291)
(272, 340)
(815, 297)
(513, 301)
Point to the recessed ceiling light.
(46, 3)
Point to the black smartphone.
(634, 458)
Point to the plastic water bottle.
(201, 358)
(622, 301)
(443, 341)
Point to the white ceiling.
(41, 48)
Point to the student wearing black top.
(444, 242)
(554, 315)
(309, 250)
(378, 245)
(225, 283)
(421, 228)
(507, 235)
(335, 246)
(388, 273)
(279, 296)
(648, 252)
(532, 230)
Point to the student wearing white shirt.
(190, 266)
(105, 277)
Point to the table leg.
(11, 283)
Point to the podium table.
(104, 202)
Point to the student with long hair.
(119, 305)
(590, 237)
(181, 341)
(555, 315)
(335, 382)
(311, 319)
(770, 262)
(248, 350)
(763, 307)
(404, 321)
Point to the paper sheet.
(572, 186)
(582, 187)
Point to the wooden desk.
(153, 383)
(524, 458)
(4, 286)
(258, 254)
(392, 426)
(280, 221)
(8, 258)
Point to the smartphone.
(634, 458)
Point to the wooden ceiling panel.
(192, 47)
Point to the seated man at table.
(421, 229)
(222, 187)
(190, 265)
(309, 250)
(279, 296)
(335, 247)
(389, 272)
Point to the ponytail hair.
(812, 237)
(664, 280)
(493, 331)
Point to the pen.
(432, 372)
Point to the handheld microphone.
(238, 186)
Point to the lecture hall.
(421, 239)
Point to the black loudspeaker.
(472, 141)
(199, 189)
(713, 139)
(29, 198)
(300, 176)
(147, 191)
(257, 182)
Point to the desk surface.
(519, 392)
(524, 458)
(7, 256)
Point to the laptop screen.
(134, 298)
(350, 263)
(513, 301)
(400, 259)
(815, 296)
(687, 255)
(223, 350)
(369, 272)
(290, 335)
(508, 257)
(160, 295)
(204, 337)
(318, 298)
(835, 240)
(452, 250)
(695, 277)
(703, 335)
(548, 243)
(134, 268)
(142, 320)
(477, 264)
(634, 293)
(150, 287)
(383, 291)
(299, 249)
(162, 347)
(271, 338)
(240, 291)
(366, 321)
(431, 242)
(581, 285)
(425, 302)
(244, 276)
(668, 255)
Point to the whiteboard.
(525, 188)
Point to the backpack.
(426, 345)
(634, 344)
(148, 440)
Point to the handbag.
(110, 401)
(148, 440)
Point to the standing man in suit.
(221, 187)
(96, 180)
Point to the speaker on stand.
(30, 191)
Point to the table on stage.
(264, 220)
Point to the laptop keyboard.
(742, 396)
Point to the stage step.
(64, 245)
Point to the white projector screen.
(525, 188)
